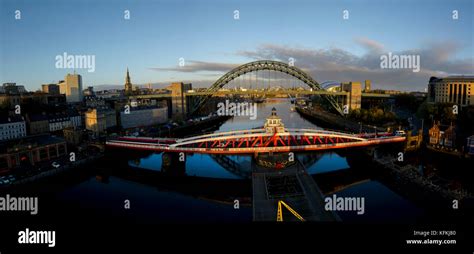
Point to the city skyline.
(212, 42)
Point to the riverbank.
(430, 189)
(200, 125)
(333, 121)
(440, 150)
(54, 171)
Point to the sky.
(205, 34)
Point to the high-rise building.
(51, 89)
(452, 89)
(367, 86)
(128, 84)
(72, 87)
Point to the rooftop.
(33, 141)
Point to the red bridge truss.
(256, 141)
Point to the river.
(165, 202)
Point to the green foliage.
(439, 112)
(407, 101)
(372, 116)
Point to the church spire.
(127, 79)
(128, 83)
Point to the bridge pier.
(292, 185)
(173, 163)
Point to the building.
(128, 84)
(94, 102)
(29, 151)
(89, 91)
(354, 98)
(179, 104)
(452, 89)
(470, 145)
(273, 123)
(98, 120)
(73, 136)
(450, 137)
(434, 134)
(12, 127)
(72, 88)
(31, 100)
(10, 95)
(12, 89)
(367, 86)
(37, 123)
(75, 118)
(442, 135)
(60, 121)
(143, 116)
(9, 100)
(52, 89)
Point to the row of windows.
(12, 132)
(468, 102)
(10, 126)
(4, 137)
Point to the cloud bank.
(437, 59)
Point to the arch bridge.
(265, 65)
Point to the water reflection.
(335, 172)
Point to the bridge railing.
(221, 134)
(326, 131)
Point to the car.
(55, 165)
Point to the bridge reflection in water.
(291, 185)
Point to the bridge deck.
(292, 185)
(251, 141)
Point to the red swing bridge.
(273, 137)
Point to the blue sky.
(160, 32)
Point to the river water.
(167, 202)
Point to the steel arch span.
(265, 65)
